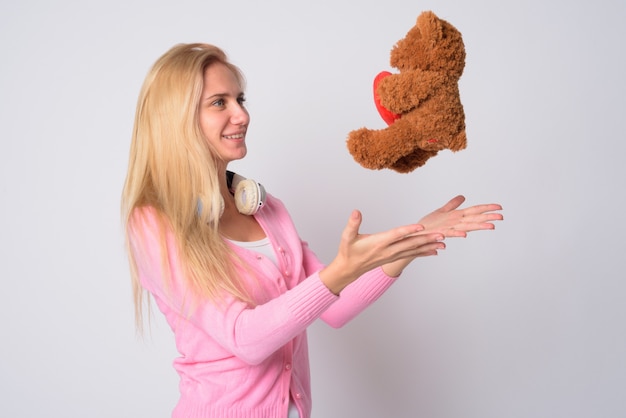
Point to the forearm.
(357, 296)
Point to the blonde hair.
(172, 170)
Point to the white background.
(525, 321)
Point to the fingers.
(482, 209)
(461, 230)
(482, 214)
(403, 242)
(475, 223)
(424, 249)
(479, 217)
(416, 245)
(456, 233)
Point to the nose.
(240, 115)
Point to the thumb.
(351, 231)
(454, 203)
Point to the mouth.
(235, 136)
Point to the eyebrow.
(221, 95)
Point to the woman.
(235, 282)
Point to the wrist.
(395, 269)
(335, 277)
(392, 272)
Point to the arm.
(404, 91)
(254, 333)
(229, 326)
(447, 221)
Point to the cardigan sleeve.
(355, 297)
(249, 333)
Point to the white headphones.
(249, 195)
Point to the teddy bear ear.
(430, 26)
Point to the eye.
(218, 103)
(241, 100)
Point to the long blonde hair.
(172, 170)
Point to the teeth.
(238, 136)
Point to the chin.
(236, 156)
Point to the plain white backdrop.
(526, 321)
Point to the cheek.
(208, 126)
(204, 129)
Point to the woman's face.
(223, 118)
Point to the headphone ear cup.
(222, 207)
(249, 196)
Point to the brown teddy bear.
(421, 103)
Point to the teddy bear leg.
(412, 161)
(377, 149)
(458, 142)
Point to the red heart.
(387, 115)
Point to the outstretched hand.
(454, 222)
(359, 253)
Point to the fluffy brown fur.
(425, 92)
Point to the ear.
(430, 26)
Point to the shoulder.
(144, 217)
(273, 207)
(147, 223)
(275, 218)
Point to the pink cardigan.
(237, 361)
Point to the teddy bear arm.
(405, 91)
